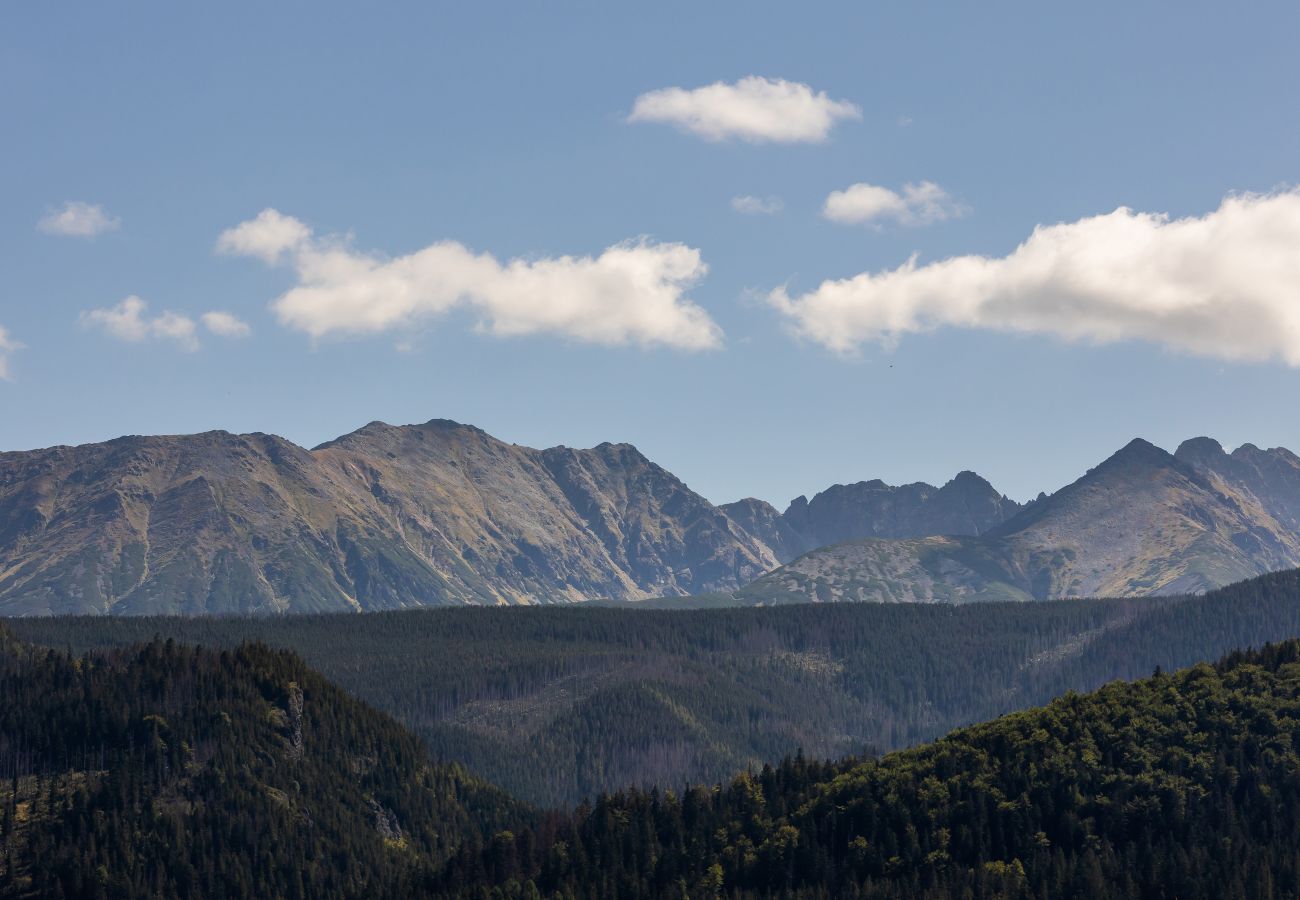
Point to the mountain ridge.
(382, 517)
(1143, 521)
(965, 504)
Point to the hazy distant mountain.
(1142, 522)
(383, 517)
(1270, 478)
(965, 505)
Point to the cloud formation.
(632, 293)
(129, 321)
(1225, 285)
(77, 219)
(225, 324)
(7, 346)
(918, 204)
(754, 109)
(267, 237)
(757, 206)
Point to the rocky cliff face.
(381, 518)
(1267, 479)
(1142, 522)
(761, 519)
(872, 509)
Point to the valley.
(558, 704)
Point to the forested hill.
(559, 704)
(166, 771)
(1178, 786)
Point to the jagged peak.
(1284, 453)
(446, 425)
(606, 450)
(619, 446)
(378, 428)
(370, 428)
(748, 503)
(968, 479)
(875, 484)
(1138, 451)
(1199, 449)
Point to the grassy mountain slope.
(557, 704)
(383, 518)
(1177, 786)
(164, 770)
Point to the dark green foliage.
(558, 704)
(1184, 786)
(162, 770)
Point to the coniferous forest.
(556, 705)
(1183, 785)
(162, 770)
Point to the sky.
(776, 246)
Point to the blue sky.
(504, 128)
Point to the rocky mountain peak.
(1200, 451)
(1137, 453)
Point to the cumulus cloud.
(757, 206)
(1225, 285)
(225, 324)
(633, 292)
(7, 346)
(918, 204)
(77, 219)
(754, 109)
(127, 321)
(130, 321)
(267, 237)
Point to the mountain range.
(965, 505)
(443, 513)
(1143, 522)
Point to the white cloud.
(225, 324)
(127, 322)
(754, 109)
(1226, 285)
(7, 346)
(267, 237)
(918, 204)
(631, 293)
(757, 206)
(77, 219)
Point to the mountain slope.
(1179, 785)
(1143, 522)
(381, 518)
(1269, 478)
(872, 509)
(170, 771)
